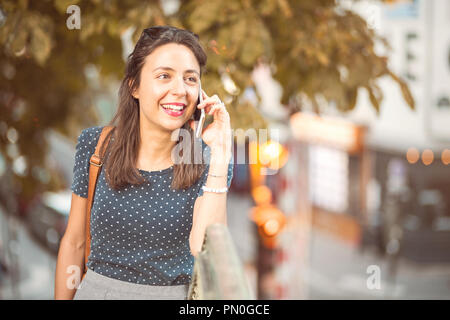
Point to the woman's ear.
(134, 92)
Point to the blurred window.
(328, 178)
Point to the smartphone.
(201, 120)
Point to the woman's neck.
(155, 150)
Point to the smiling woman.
(168, 86)
(158, 72)
(149, 212)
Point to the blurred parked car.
(47, 218)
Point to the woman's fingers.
(211, 104)
(205, 100)
(208, 102)
(204, 95)
(215, 107)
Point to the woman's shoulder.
(90, 136)
(92, 131)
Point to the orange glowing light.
(273, 155)
(271, 227)
(215, 50)
(445, 156)
(270, 221)
(412, 155)
(262, 195)
(427, 157)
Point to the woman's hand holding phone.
(217, 135)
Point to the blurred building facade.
(376, 183)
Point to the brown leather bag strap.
(94, 171)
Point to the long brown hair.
(122, 151)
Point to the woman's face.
(169, 85)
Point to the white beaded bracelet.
(221, 190)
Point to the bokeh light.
(412, 155)
(445, 156)
(427, 157)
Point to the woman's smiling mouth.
(174, 109)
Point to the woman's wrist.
(218, 170)
(219, 163)
(221, 152)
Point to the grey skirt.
(98, 287)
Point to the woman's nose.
(179, 87)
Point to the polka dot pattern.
(140, 234)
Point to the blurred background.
(349, 198)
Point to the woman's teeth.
(172, 107)
(173, 110)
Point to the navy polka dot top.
(140, 234)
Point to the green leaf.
(267, 7)
(352, 98)
(41, 32)
(373, 100)
(406, 93)
(40, 45)
(19, 42)
(62, 5)
(204, 15)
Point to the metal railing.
(218, 272)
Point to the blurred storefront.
(368, 198)
(375, 182)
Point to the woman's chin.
(173, 125)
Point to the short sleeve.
(207, 157)
(87, 142)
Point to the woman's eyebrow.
(171, 69)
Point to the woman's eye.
(163, 76)
(192, 79)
